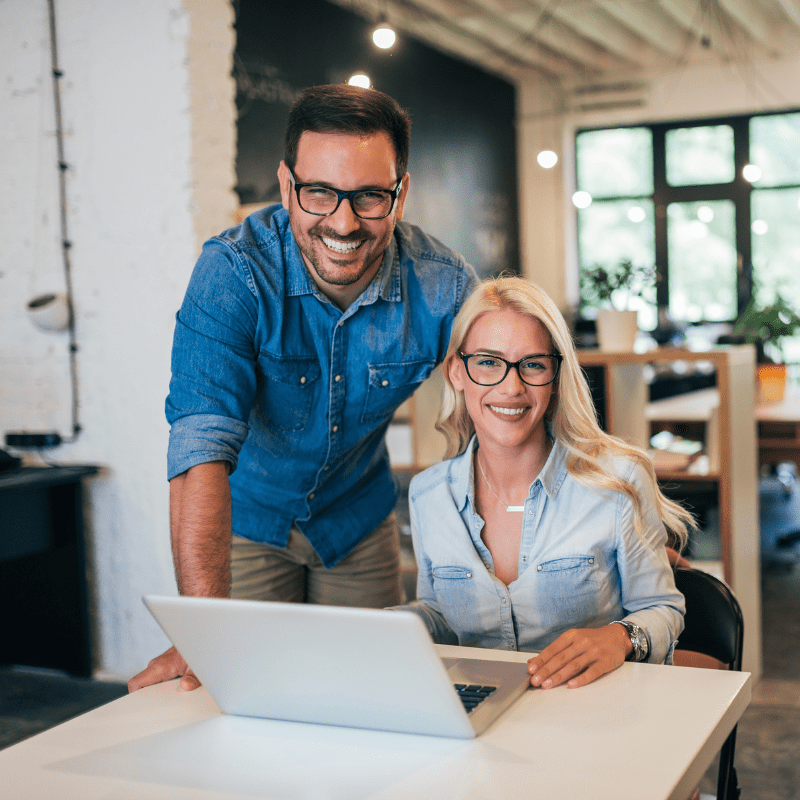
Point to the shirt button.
(311, 496)
(303, 379)
(530, 512)
(335, 428)
(524, 558)
(504, 601)
(539, 568)
(326, 467)
(384, 382)
(469, 574)
(338, 378)
(591, 561)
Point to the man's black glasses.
(322, 201)
(535, 370)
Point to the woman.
(541, 532)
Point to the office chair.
(713, 627)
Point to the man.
(301, 332)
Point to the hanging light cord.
(66, 244)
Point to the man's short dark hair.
(351, 110)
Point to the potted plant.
(766, 326)
(611, 291)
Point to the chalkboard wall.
(463, 147)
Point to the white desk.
(641, 732)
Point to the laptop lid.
(362, 668)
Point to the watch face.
(639, 641)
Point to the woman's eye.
(534, 366)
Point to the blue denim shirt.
(295, 394)
(581, 563)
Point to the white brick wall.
(151, 176)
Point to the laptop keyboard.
(473, 695)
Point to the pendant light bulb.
(359, 79)
(547, 159)
(383, 36)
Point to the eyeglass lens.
(371, 204)
(489, 370)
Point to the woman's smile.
(511, 413)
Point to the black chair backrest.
(713, 621)
(714, 627)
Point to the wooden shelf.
(688, 477)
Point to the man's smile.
(342, 247)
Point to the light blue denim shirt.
(581, 562)
(295, 394)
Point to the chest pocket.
(391, 384)
(570, 589)
(289, 389)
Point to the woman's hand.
(579, 656)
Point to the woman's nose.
(512, 382)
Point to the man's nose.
(344, 220)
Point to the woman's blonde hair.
(571, 410)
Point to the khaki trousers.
(368, 577)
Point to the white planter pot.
(616, 330)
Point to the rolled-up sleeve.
(213, 383)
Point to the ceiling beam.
(593, 23)
(528, 26)
(750, 18)
(648, 21)
(791, 8)
(442, 34)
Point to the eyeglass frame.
(516, 364)
(393, 193)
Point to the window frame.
(738, 191)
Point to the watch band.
(641, 645)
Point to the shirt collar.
(551, 477)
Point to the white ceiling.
(574, 42)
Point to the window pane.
(613, 231)
(700, 155)
(776, 244)
(615, 163)
(775, 148)
(701, 246)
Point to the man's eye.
(317, 191)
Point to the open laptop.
(360, 668)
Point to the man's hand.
(580, 656)
(165, 667)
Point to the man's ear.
(285, 183)
(401, 198)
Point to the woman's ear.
(456, 372)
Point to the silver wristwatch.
(641, 647)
